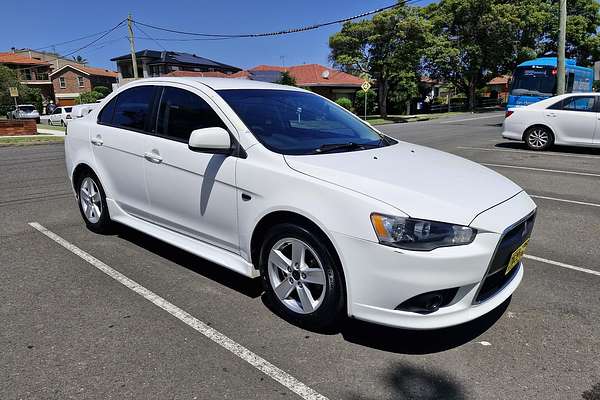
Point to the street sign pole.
(365, 87)
(365, 106)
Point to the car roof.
(217, 83)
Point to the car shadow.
(554, 149)
(248, 287)
(401, 341)
(404, 381)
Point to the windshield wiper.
(330, 147)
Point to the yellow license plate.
(516, 256)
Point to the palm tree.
(80, 60)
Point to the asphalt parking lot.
(69, 329)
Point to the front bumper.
(379, 278)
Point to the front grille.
(495, 279)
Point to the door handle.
(553, 115)
(97, 141)
(153, 157)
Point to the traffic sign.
(14, 92)
(365, 86)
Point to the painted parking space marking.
(529, 152)
(237, 349)
(562, 265)
(472, 119)
(556, 171)
(582, 203)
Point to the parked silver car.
(24, 111)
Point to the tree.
(287, 79)
(80, 60)
(89, 97)
(102, 90)
(389, 48)
(9, 78)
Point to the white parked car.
(24, 111)
(569, 119)
(279, 183)
(81, 110)
(60, 116)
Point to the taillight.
(508, 114)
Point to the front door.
(190, 192)
(574, 120)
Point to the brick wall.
(18, 127)
(72, 84)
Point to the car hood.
(421, 182)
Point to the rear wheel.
(302, 277)
(92, 203)
(539, 138)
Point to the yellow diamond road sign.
(365, 86)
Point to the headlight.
(418, 234)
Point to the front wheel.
(539, 138)
(302, 277)
(92, 203)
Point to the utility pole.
(562, 38)
(132, 45)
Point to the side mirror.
(210, 140)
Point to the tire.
(91, 200)
(538, 138)
(319, 276)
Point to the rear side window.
(575, 103)
(180, 112)
(133, 107)
(68, 109)
(106, 115)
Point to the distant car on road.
(81, 110)
(280, 183)
(24, 111)
(569, 119)
(61, 116)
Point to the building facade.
(31, 72)
(70, 81)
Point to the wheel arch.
(78, 172)
(282, 216)
(538, 125)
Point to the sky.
(35, 24)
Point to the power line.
(70, 41)
(148, 36)
(277, 33)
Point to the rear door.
(574, 119)
(191, 192)
(119, 141)
(56, 115)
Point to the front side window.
(106, 114)
(133, 107)
(180, 112)
(58, 111)
(294, 122)
(63, 83)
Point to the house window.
(62, 82)
(27, 74)
(80, 81)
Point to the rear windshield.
(27, 108)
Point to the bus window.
(570, 82)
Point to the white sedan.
(569, 119)
(276, 182)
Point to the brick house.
(31, 71)
(70, 81)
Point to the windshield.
(534, 81)
(291, 122)
(27, 109)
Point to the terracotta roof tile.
(12, 58)
(312, 75)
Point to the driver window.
(182, 112)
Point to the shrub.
(89, 97)
(359, 102)
(102, 90)
(345, 102)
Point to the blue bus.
(535, 80)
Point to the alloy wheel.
(90, 199)
(296, 275)
(538, 138)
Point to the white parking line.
(583, 203)
(537, 153)
(563, 265)
(471, 119)
(558, 171)
(240, 351)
